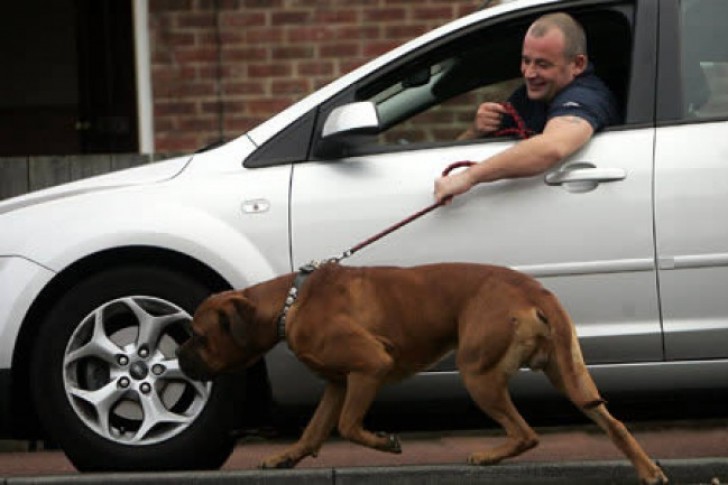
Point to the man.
(562, 101)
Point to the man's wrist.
(470, 134)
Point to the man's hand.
(449, 186)
(487, 120)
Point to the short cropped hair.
(574, 36)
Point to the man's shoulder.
(587, 97)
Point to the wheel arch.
(27, 424)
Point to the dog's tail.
(571, 373)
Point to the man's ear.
(580, 63)
(242, 316)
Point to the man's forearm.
(525, 159)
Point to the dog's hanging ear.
(241, 317)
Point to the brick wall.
(220, 67)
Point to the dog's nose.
(191, 365)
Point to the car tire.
(107, 385)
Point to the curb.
(693, 472)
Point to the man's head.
(554, 53)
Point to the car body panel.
(597, 242)
(691, 191)
(20, 282)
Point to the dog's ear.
(242, 316)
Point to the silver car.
(98, 278)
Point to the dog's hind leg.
(489, 390)
(648, 471)
(318, 429)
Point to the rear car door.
(691, 185)
(585, 230)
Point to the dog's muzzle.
(192, 364)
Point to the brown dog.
(360, 328)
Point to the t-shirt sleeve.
(594, 106)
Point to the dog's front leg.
(361, 390)
(318, 429)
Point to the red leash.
(520, 130)
(409, 219)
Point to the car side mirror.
(353, 118)
(345, 128)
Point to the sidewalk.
(691, 452)
(690, 472)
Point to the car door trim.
(690, 261)
(590, 267)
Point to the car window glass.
(704, 58)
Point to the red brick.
(315, 68)
(196, 20)
(245, 54)
(156, 6)
(196, 54)
(175, 143)
(348, 16)
(174, 108)
(261, 3)
(291, 86)
(243, 88)
(210, 108)
(199, 123)
(162, 123)
(267, 107)
(443, 14)
(269, 70)
(290, 18)
(184, 90)
(374, 49)
(384, 15)
(359, 32)
(242, 125)
(264, 36)
(240, 19)
(179, 38)
(404, 31)
(293, 52)
(310, 34)
(340, 50)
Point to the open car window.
(433, 98)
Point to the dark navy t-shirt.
(586, 97)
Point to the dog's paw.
(392, 445)
(278, 463)
(657, 477)
(483, 459)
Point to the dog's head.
(223, 337)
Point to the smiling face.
(545, 66)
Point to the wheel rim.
(121, 374)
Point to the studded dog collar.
(303, 273)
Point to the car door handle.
(582, 177)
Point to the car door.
(691, 184)
(585, 229)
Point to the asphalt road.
(691, 451)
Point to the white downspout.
(145, 115)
